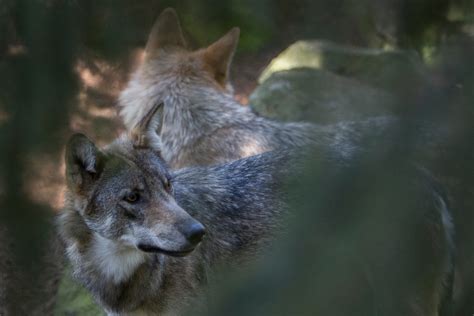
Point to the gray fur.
(239, 203)
(202, 124)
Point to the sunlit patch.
(388, 47)
(242, 98)
(15, 50)
(102, 76)
(101, 82)
(3, 117)
(44, 181)
(300, 54)
(78, 123)
(468, 29)
(455, 14)
(428, 52)
(88, 105)
(88, 78)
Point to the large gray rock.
(393, 70)
(315, 95)
(325, 83)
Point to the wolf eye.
(167, 184)
(131, 197)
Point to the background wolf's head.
(173, 74)
(126, 196)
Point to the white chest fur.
(116, 261)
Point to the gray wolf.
(202, 123)
(142, 239)
(145, 240)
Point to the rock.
(393, 70)
(325, 83)
(319, 96)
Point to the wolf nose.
(195, 233)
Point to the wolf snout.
(195, 233)
(179, 242)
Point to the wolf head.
(173, 74)
(124, 194)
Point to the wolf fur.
(137, 258)
(239, 203)
(202, 123)
(360, 248)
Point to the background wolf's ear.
(84, 163)
(219, 55)
(165, 32)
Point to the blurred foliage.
(74, 300)
(358, 251)
(41, 42)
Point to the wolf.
(145, 239)
(202, 123)
(142, 239)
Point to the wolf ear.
(219, 55)
(165, 32)
(84, 162)
(146, 133)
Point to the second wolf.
(202, 123)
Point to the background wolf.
(202, 123)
